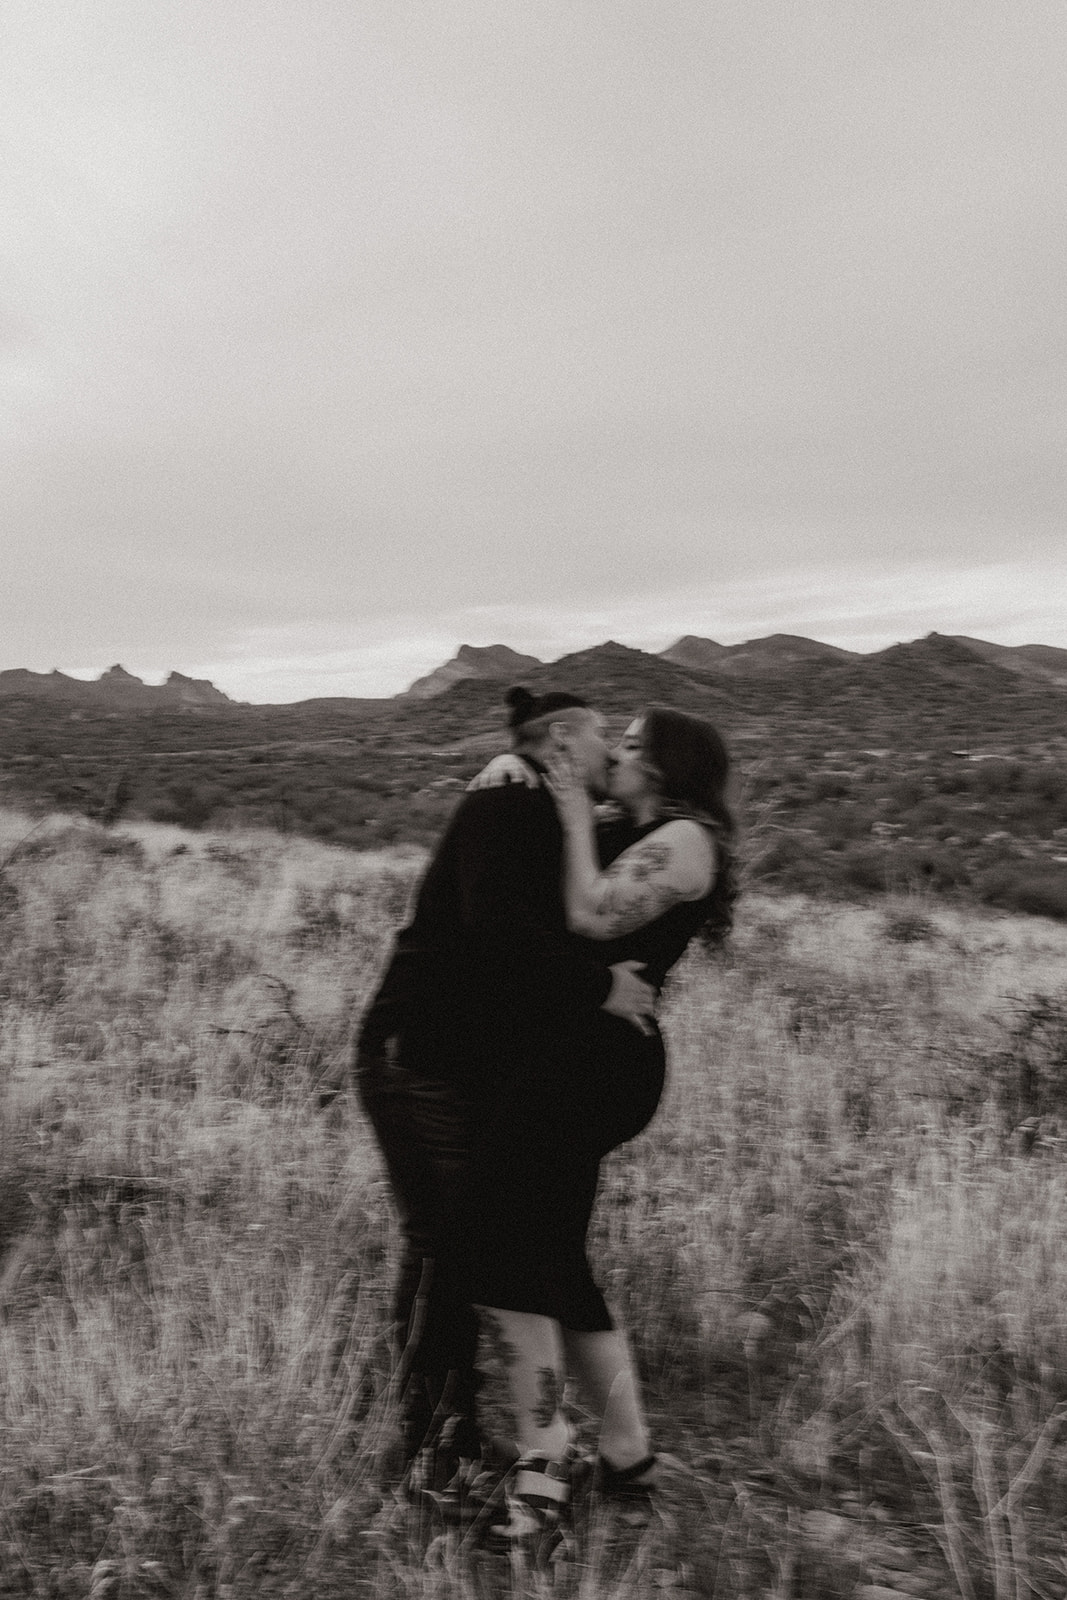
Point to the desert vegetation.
(922, 768)
(839, 1246)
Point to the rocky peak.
(193, 691)
(473, 661)
(692, 651)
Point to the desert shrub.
(866, 866)
(837, 825)
(908, 927)
(320, 916)
(790, 858)
(906, 792)
(1002, 777)
(1039, 891)
(769, 852)
(122, 847)
(932, 865)
(929, 813)
(189, 804)
(830, 786)
(1031, 1065)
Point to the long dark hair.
(691, 765)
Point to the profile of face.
(631, 778)
(583, 740)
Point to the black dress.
(541, 1137)
(485, 976)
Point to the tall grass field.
(840, 1247)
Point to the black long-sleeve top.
(487, 967)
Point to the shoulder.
(508, 807)
(687, 851)
(505, 799)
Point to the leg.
(422, 1129)
(603, 1365)
(537, 1489)
(528, 1348)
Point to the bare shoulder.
(688, 850)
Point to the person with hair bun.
(636, 889)
(484, 983)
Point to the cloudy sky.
(334, 333)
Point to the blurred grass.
(839, 1247)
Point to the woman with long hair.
(639, 888)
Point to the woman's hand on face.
(503, 769)
(568, 790)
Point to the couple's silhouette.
(512, 1044)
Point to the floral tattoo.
(501, 1349)
(635, 892)
(548, 1397)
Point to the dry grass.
(839, 1247)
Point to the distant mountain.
(939, 658)
(941, 653)
(473, 661)
(777, 653)
(692, 651)
(614, 678)
(759, 677)
(756, 679)
(192, 692)
(115, 690)
(618, 679)
(1042, 661)
(40, 685)
(769, 655)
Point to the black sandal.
(624, 1483)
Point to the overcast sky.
(335, 333)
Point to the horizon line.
(93, 675)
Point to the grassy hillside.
(839, 1246)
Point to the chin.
(626, 802)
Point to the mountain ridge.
(700, 661)
(767, 654)
(943, 656)
(471, 661)
(116, 689)
(1029, 660)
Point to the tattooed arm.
(676, 862)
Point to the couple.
(511, 1045)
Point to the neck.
(644, 811)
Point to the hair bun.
(521, 702)
(526, 706)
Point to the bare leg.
(528, 1347)
(604, 1367)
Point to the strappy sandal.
(635, 1484)
(537, 1496)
